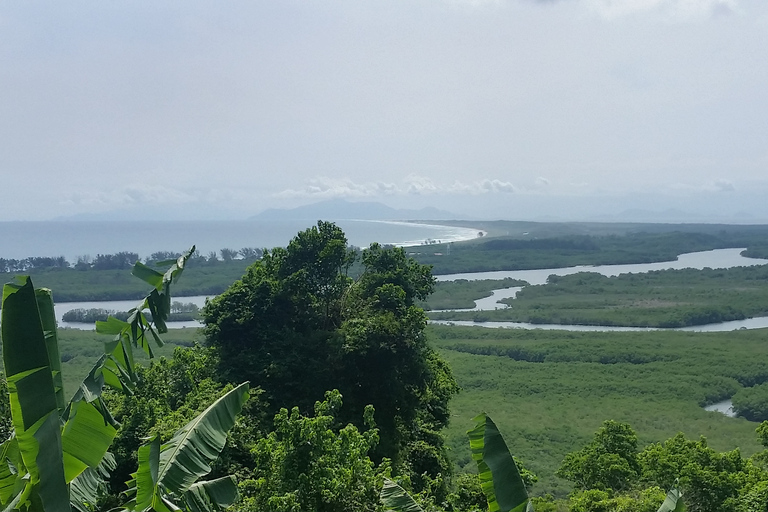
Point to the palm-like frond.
(499, 476)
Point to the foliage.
(298, 325)
(462, 293)
(467, 494)
(529, 245)
(179, 312)
(203, 277)
(594, 500)
(57, 456)
(305, 463)
(169, 472)
(499, 476)
(171, 393)
(752, 402)
(609, 462)
(664, 298)
(710, 481)
(568, 382)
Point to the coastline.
(460, 233)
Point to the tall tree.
(298, 325)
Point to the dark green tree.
(609, 462)
(297, 325)
(305, 464)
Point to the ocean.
(20, 240)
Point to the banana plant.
(166, 479)
(52, 445)
(499, 477)
(57, 456)
(396, 499)
(674, 501)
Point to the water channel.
(718, 258)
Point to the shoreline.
(462, 234)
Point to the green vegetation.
(529, 251)
(665, 298)
(73, 285)
(180, 312)
(462, 294)
(307, 334)
(299, 326)
(549, 390)
(509, 246)
(752, 403)
(57, 459)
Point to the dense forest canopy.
(298, 325)
(347, 392)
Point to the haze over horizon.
(489, 109)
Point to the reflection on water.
(718, 258)
(724, 407)
(120, 305)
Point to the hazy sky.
(502, 109)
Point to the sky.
(494, 109)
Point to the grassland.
(549, 391)
(549, 249)
(80, 349)
(666, 298)
(462, 294)
(71, 285)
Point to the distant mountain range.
(339, 209)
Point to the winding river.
(718, 258)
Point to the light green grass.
(558, 387)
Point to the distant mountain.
(339, 209)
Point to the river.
(718, 258)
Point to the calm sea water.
(72, 239)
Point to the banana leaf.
(32, 396)
(48, 319)
(499, 477)
(172, 469)
(186, 457)
(211, 494)
(673, 501)
(85, 489)
(396, 499)
(12, 470)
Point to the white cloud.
(324, 187)
(413, 184)
(722, 185)
(676, 10)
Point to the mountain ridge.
(340, 209)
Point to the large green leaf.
(85, 489)
(85, 439)
(395, 498)
(148, 275)
(137, 331)
(211, 495)
(186, 457)
(32, 396)
(673, 501)
(12, 471)
(48, 319)
(144, 485)
(499, 476)
(174, 467)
